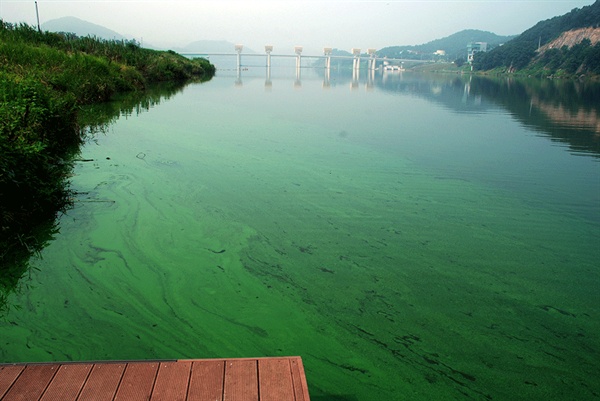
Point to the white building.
(475, 47)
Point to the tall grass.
(90, 68)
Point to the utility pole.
(38, 17)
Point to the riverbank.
(45, 79)
(524, 73)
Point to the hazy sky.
(284, 24)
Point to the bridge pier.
(238, 50)
(268, 50)
(298, 51)
(356, 61)
(327, 52)
(372, 59)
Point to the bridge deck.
(260, 379)
(363, 57)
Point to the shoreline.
(45, 80)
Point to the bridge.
(387, 63)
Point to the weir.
(327, 55)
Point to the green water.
(416, 238)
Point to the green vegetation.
(580, 58)
(521, 53)
(90, 69)
(45, 80)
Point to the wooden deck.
(260, 379)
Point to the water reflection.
(564, 111)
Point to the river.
(412, 237)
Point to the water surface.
(411, 237)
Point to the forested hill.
(454, 45)
(567, 44)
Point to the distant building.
(475, 47)
(440, 53)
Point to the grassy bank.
(45, 79)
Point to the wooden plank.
(31, 383)
(299, 379)
(172, 381)
(275, 380)
(137, 382)
(102, 382)
(241, 380)
(8, 375)
(67, 383)
(245, 379)
(206, 381)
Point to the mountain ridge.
(454, 45)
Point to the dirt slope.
(571, 38)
